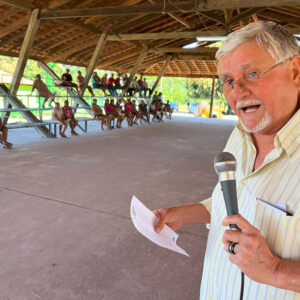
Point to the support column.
(23, 56)
(97, 53)
(162, 72)
(135, 68)
(212, 95)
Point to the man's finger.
(160, 225)
(232, 236)
(241, 222)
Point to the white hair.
(278, 42)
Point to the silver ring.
(231, 247)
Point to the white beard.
(265, 122)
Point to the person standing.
(259, 66)
(42, 90)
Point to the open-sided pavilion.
(132, 36)
(65, 230)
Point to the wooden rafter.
(159, 8)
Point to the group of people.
(107, 84)
(115, 85)
(130, 111)
(112, 112)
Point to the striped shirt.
(276, 181)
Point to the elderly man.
(259, 66)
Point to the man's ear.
(295, 63)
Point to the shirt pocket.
(282, 232)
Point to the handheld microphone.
(225, 166)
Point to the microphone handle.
(230, 198)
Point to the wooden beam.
(245, 14)
(203, 51)
(280, 17)
(181, 20)
(212, 95)
(96, 55)
(134, 69)
(213, 16)
(176, 17)
(24, 52)
(161, 73)
(159, 8)
(165, 35)
(23, 56)
(194, 57)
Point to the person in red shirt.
(111, 85)
(69, 116)
(128, 112)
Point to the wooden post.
(212, 94)
(134, 70)
(97, 53)
(24, 53)
(162, 71)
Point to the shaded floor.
(65, 230)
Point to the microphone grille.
(225, 162)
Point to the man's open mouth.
(249, 106)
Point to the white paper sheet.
(144, 220)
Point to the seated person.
(118, 85)
(134, 112)
(67, 80)
(95, 81)
(153, 110)
(103, 83)
(42, 90)
(140, 86)
(146, 88)
(98, 114)
(3, 136)
(111, 85)
(109, 111)
(155, 96)
(120, 111)
(143, 111)
(167, 110)
(159, 109)
(58, 115)
(69, 116)
(80, 79)
(133, 87)
(128, 112)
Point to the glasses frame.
(247, 80)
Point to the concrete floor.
(65, 228)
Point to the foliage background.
(179, 89)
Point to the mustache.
(249, 102)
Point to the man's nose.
(240, 89)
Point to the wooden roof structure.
(151, 31)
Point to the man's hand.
(169, 216)
(176, 216)
(252, 253)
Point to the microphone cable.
(242, 285)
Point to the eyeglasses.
(250, 77)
